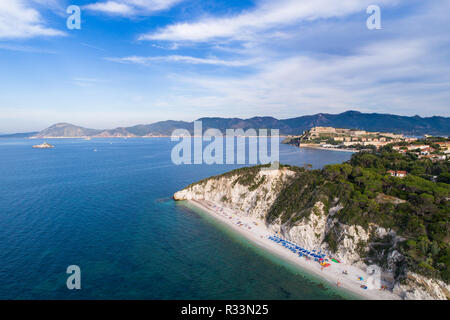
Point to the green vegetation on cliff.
(416, 206)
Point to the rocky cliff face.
(242, 199)
(317, 230)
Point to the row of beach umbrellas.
(297, 249)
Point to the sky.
(142, 61)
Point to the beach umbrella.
(335, 260)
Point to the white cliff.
(352, 242)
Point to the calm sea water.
(110, 212)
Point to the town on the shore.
(434, 148)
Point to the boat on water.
(44, 145)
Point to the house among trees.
(398, 174)
(426, 151)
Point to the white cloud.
(173, 46)
(269, 14)
(131, 7)
(111, 7)
(182, 59)
(23, 48)
(87, 82)
(396, 74)
(92, 47)
(19, 20)
(330, 65)
(49, 3)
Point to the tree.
(444, 177)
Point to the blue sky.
(141, 61)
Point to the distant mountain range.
(19, 135)
(350, 119)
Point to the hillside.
(163, 128)
(66, 130)
(373, 122)
(351, 119)
(19, 135)
(356, 210)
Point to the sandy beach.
(257, 232)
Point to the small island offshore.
(44, 145)
(377, 225)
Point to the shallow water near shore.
(316, 286)
(110, 212)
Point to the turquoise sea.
(105, 205)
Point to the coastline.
(91, 137)
(255, 231)
(133, 137)
(329, 149)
